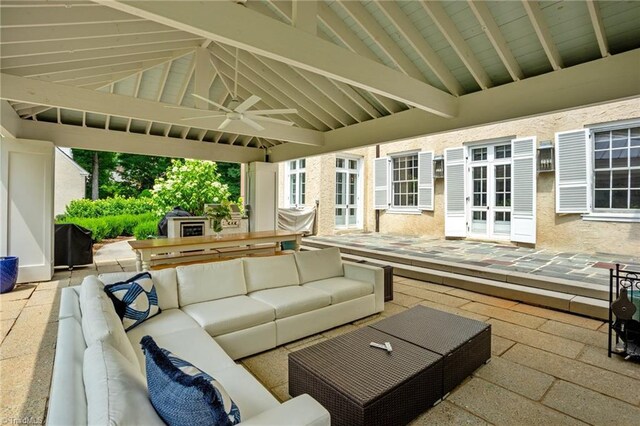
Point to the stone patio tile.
(609, 383)
(271, 368)
(43, 297)
(11, 309)
(21, 291)
(505, 315)
(501, 406)
(483, 298)
(5, 326)
(425, 285)
(54, 284)
(27, 376)
(405, 300)
(109, 268)
(27, 339)
(338, 331)
(391, 309)
(281, 392)
(579, 334)
(454, 310)
(558, 316)
(60, 274)
(31, 411)
(599, 358)
(536, 339)
(447, 413)
(443, 299)
(499, 345)
(38, 314)
(589, 406)
(516, 377)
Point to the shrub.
(111, 226)
(109, 207)
(146, 229)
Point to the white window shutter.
(381, 183)
(425, 180)
(523, 190)
(455, 223)
(573, 172)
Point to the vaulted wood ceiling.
(104, 74)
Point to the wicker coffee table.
(362, 385)
(358, 384)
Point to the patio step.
(575, 297)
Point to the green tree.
(139, 172)
(100, 165)
(230, 175)
(189, 184)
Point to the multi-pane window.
(617, 169)
(296, 182)
(405, 181)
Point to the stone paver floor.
(548, 367)
(585, 267)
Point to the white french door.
(489, 198)
(348, 193)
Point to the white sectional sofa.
(211, 314)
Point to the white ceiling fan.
(237, 110)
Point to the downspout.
(377, 211)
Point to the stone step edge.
(575, 304)
(576, 288)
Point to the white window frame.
(402, 209)
(297, 172)
(359, 189)
(608, 215)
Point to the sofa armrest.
(301, 410)
(369, 274)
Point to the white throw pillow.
(116, 391)
(317, 265)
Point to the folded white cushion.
(319, 264)
(231, 314)
(116, 391)
(342, 289)
(293, 300)
(210, 281)
(164, 281)
(270, 272)
(100, 323)
(169, 321)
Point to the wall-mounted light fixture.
(545, 157)
(438, 166)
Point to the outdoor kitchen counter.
(177, 248)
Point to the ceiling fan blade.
(251, 123)
(253, 99)
(272, 111)
(217, 105)
(220, 114)
(271, 120)
(224, 124)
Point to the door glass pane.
(340, 188)
(503, 151)
(502, 224)
(302, 187)
(292, 189)
(353, 164)
(479, 222)
(479, 154)
(340, 163)
(353, 181)
(503, 185)
(303, 163)
(340, 217)
(480, 186)
(292, 165)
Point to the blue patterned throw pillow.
(182, 394)
(135, 299)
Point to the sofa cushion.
(169, 321)
(342, 289)
(231, 314)
(194, 345)
(135, 300)
(317, 265)
(263, 273)
(116, 391)
(164, 280)
(210, 281)
(182, 394)
(100, 323)
(292, 300)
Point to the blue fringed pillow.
(182, 394)
(135, 299)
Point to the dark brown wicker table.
(464, 344)
(363, 385)
(433, 352)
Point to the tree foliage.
(230, 174)
(189, 184)
(107, 162)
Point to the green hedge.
(113, 226)
(146, 229)
(116, 206)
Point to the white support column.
(262, 189)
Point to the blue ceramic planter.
(8, 273)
